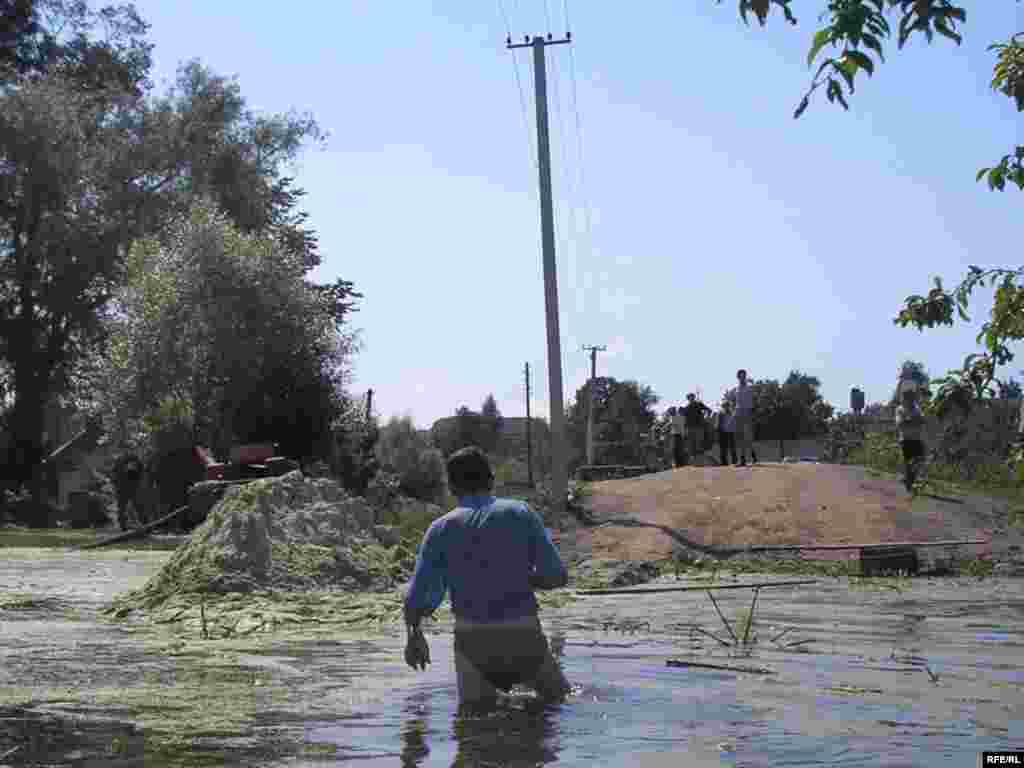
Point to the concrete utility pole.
(559, 465)
(529, 440)
(590, 400)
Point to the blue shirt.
(489, 553)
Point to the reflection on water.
(629, 709)
(614, 715)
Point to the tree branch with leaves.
(857, 30)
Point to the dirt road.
(784, 504)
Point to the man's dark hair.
(743, 371)
(691, 396)
(469, 471)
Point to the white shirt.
(744, 397)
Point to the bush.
(879, 451)
(420, 467)
(425, 478)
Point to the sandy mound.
(284, 533)
(773, 504)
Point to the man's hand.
(417, 652)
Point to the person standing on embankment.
(491, 554)
(743, 398)
(695, 413)
(727, 434)
(910, 422)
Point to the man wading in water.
(491, 554)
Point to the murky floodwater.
(929, 674)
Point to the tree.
(855, 29)
(226, 323)
(40, 37)
(403, 451)
(790, 410)
(491, 424)
(87, 168)
(623, 413)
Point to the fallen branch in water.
(137, 533)
(798, 642)
(724, 667)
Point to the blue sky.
(722, 233)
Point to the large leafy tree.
(623, 413)
(226, 323)
(90, 162)
(852, 39)
(790, 410)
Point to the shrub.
(425, 478)
(879, 451)
(420, 467)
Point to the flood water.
(932, 673)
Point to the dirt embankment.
(783, 504)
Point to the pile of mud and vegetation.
(282, 548)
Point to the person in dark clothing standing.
(694, 414)
(727, 435)
(678, 427)
(127, 479)
(910, 422)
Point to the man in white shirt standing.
(743, 398)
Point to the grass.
(881, 455)
(62, 538)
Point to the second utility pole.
(559, 464)
(590, 405)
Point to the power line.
(519, 85)
(579, 135)
(566, 233)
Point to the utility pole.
(590, 404)
(529, 440)
(369, 405)
(559, 466)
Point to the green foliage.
(790, 410)
(623, 416)
(419, 467)
(881, 451)
(858, 29)
(227, 322)
(855, 29)
(974, 381)
(92, 162)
